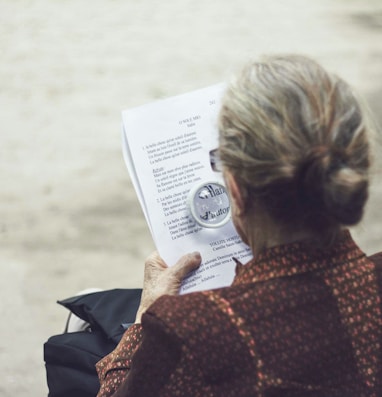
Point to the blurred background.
(69, 217)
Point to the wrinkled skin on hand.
(160, 279)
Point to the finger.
(186, 264)
(155, 260)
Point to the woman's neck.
(263, 238)
(288, 238)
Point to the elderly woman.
(303, 318)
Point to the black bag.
(70, 358)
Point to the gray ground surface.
(69, 218)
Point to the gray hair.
(295, 138)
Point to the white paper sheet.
(166, 147)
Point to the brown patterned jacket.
(295, 322)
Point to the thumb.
(186, 264)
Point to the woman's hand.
(159, 279)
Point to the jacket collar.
(296, 258)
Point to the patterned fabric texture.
(297, 321)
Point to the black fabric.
(70, 363)
(70, 358)
(106, 311)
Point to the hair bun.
(346, 194)
(331, 187)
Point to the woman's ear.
(236, 193)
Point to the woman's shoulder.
(195, 312)
(377, 259)
(200, 323)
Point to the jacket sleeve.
(113, 368)
(148, 354)
(188, 348)
(154, 362)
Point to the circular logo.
(209, 204)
